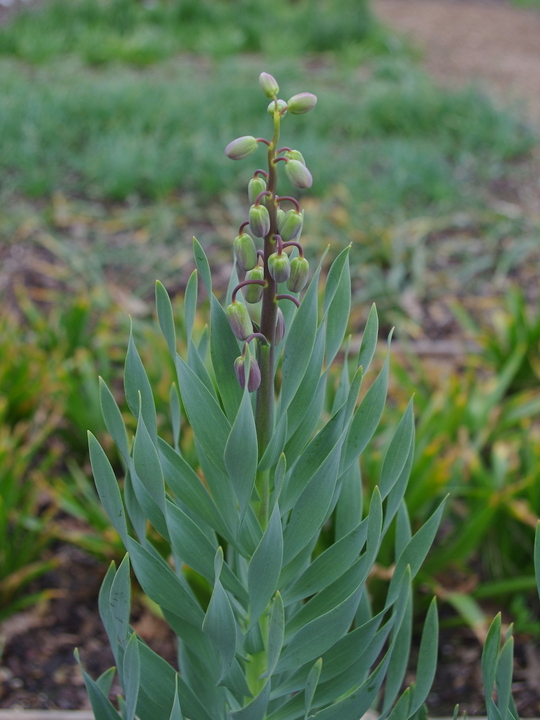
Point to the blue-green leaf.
(166, 317)
(113, 419)
(102, 707)
(224, 351)
(202, 266)
(190, 303)
(256, 709)
(276, 632)
(275, 446)
(311, 685)
(219, 622)
(105, 608)
(132, 675)
(427, 658)
(138, 390)
(147, 465)
(176, 712)
(105, 681)
(490, 654)
(350, 502)
(176, 415)
(537, 556)
(337, 317)
(119, 601)
(241, 453)
(369, 340)
(333, 279)
(399, 652)
(398, 452)
(107, 487)
(265, 566)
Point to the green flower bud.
(298, 174)
(256, 186)
(302, 103)
(291, 225)
(299, 274)
(253, 293)
(295, 155)
(281, 104)
(241, 147)
(254, 373)
(259, 220)
(239, 320)
(245, 251)
(280, 326)
(279, 267)
(280, 215)
(268, 84)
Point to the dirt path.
(463, 40)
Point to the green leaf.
(202, 266)
(537, 556)
(166, 317)
(337, 317)
(176, 415)
(132, 675)
(311, 418)
(401, 708)
(397, 493)
(147, 465)
(196, 363)
(219, 622)
(224, 351)
(299, 345)
(176, 712)
(161, 584)
(105, 681)
(190, 303)
(119, 601)
(369, 340)
(190, 543)
(210, 426)
(113, 419)
(504, 677)
(299, 409)
(275, 447)
(398, 452)
(134, 509)
(333, 279)
(107, 487)
(265, 567)
(241, 453)
(276, 632)
(311, 685)
(256, 709)
(427, 658)
(105, 608)
(101, 705)
(350, 502)
(135, 382)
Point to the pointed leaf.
(337, 318)
(427, 658)
(241, 453)
(276, 632)
(265, 567)
(113, 419)
(398, 452)
(132, 675)
(102, 707)
(147, 465)
(311, 685)
(490, 654)
(256, 710)
(120, 601)
(369, 340)
(176, 712)
(190, 303)
(166, 317)
(224, 351)
(202, 266)
(105, 681)
(135, 382)
(219, 622)
(107, 487)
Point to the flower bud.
(295, 155)
(298, 174)
(256, 186)
(281, 105)
(268, 84)
(259, 220)
(290, 225)
(245, 251)
(254, 373)
(280, 326)
(280, 215)
(253, 293)
(241, 147)
(239, 320)
(299, 274)
(279, 267)
(302, 103)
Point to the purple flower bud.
(256, 186)
(299, 274)
(241, 147)
(290, 225)
(279, 267)
(245, 251)
(253, 293)
(239, 320)
(298, 174)
(254, 373)
(280, 326)
(259, 220)
(268, 84)
(302, 103)
(282, 106)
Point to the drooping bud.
(302, 103)
(259, 220)
(255, 186)
(268, 84)
(239, 320)
(281, 106)
(245, 251)
(280, 215)
(280, 326)
(295, 155)
(253, 293)
(254, 379)
(298, 174)
(279, 267)
(299, 274)
(290, 225)
(241, 147)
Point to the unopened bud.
(254, 373)
(302, 103)
(256, 186)
(279, 267)
(241, 147)
(280, 326)
(239, 320)
(253, 293)
(298, 174)
(295, 155)
(280, 215)
(268, 84)
(259, 220)
(245, 251)
(281, 106)
(290, 225)
(299, 274)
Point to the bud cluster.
(269, 235)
